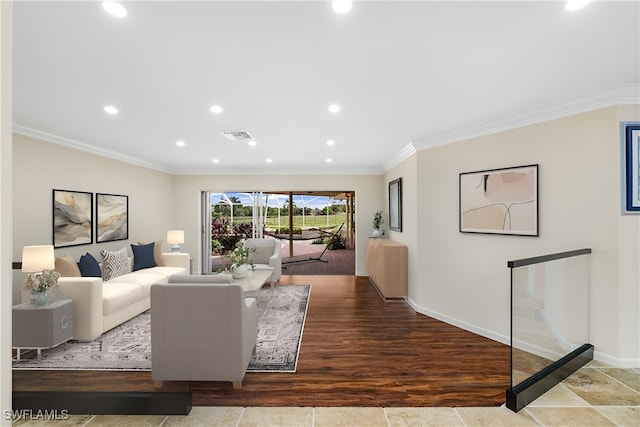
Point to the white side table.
(38, 327)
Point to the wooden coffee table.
(256, 280)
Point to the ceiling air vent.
(237, 136)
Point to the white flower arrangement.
(41, 282)
(240, 256)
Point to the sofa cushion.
(89, 266)
(157, 252)
(141, 278)
(117, 296)
(67, 266)
(165, 271)
(143, 256)
(116, 263)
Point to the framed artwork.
(632, 167)
(395, 205)
(72, 218)
(500, 201)
(112, 217)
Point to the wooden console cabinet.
(387, 267)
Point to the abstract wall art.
(112, 217)
(72, 215)
(500, 201)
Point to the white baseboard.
(504, 339)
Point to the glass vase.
(40, 298)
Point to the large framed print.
(632, 167)
(500, 201)
(112, 217)
(395, 205)
(72, 218)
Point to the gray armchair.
(201, 331)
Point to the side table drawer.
(42, 327)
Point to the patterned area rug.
(281, 314)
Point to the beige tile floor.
(594, 396)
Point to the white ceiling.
(417, 72)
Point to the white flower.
(41, 282)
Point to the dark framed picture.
(395, 205)
(632, 167)
(500, 201)
(72, 218)
(112, 217)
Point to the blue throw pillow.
(89, 266)
(143, 256)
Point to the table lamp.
(175, 238)
(37, 258)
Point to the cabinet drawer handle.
(64, 322)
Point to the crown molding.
(628, 94)
(329, 170)
(408, 151)
(70, 143)
(77, 145)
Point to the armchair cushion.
(261, 255)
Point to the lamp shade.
(175, 237)
(37, 258)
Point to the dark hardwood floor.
(357, 350)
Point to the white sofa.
(99, 306)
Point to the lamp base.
(175, 248)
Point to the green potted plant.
(377, 223)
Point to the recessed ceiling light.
(328, 160)
(576, 4)
(252, 143)
(216, 109)
(331, 142)
(341, 6)
(269, 161)
(215, 161)
(180, 143)
(110, 109)
(334, 108)
(115, 9)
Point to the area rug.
(281, 315)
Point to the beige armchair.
(201, 331)
(267, 254)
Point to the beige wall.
(187, 189)
(408, 171)
(464, 279)
(40, 167)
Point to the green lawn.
(309, 221)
